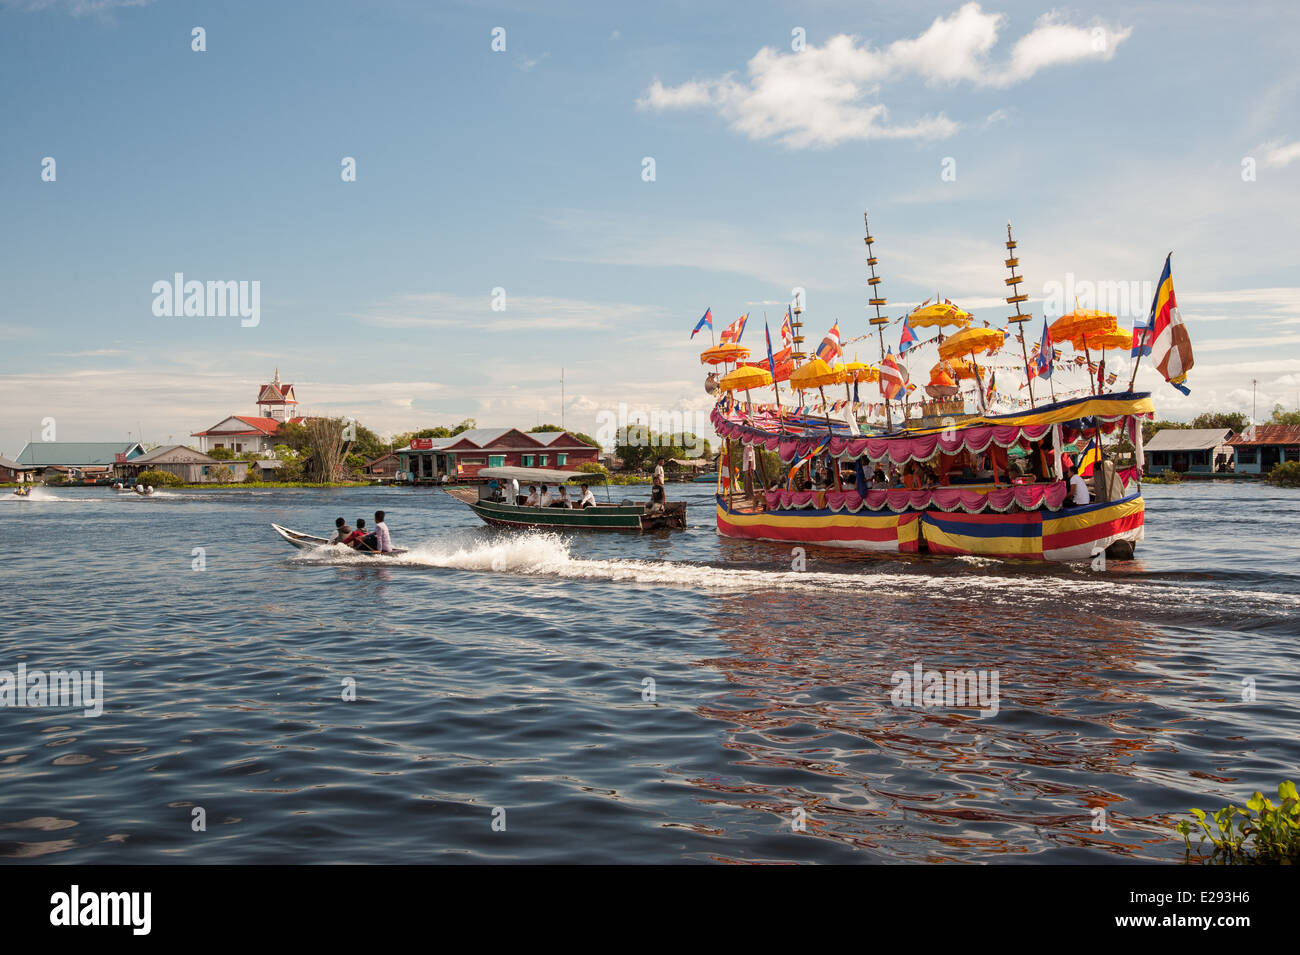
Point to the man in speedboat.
(544, 499)
(382, 542)
(588, 499)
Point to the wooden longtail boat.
(633, 516)
(308, 542)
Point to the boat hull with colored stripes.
(1071, 533)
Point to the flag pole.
(880, 321)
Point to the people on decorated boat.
(1079, 493)
(878, 480)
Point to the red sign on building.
(120, 457)
(422, 444)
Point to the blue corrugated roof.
(77, 453)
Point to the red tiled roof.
(1269, 434)
(267, 426)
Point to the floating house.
(1189, 451)
(384, 467)
(78, 461)
(192, 467)
(446, 460)
(1261, 446)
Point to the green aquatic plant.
(1260, 833)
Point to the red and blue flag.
(707, 319)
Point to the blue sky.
(522, 170)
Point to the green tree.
(222, 454)
(158, 479)
(291, 464)
(1234, 420)
(1282, 416)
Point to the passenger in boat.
(1079, 488)
(878, 480)
(383, 543)
(494, 491)
(910, 478)
(658, 496)
(532, 499)
(588, 499)
(357, 539)
(341, 530)
(561, 497)
(514, 490)
(544, 499)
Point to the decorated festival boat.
(1037, 481)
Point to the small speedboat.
(22, 492)
(122, 488)
(308, 542)
(143, 491)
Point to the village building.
(441, 460)
(1189, 451)
(384, 467)
(78, 461)
(192, 467)
(1262, 446)
(12, 472)
(255, 434)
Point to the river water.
(614, 698)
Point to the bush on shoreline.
(1285, 475)
(1260, 833)
(158, 479)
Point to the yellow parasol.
(816, 374)
(1082, 321)
(744, 378)
(968, 341)
(938, 315)
(723, 354)
(1100, 341)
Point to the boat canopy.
(541, 475)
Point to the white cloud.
(522, 313)
(78, 8)
(822, 96)
(1277, 156)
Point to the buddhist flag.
(1170, 345)
(891, 377)
(707, 319)
(1090, 456)
(733, 331)
(907, 339)
(992, 388)
(829, 349)
(787, 329)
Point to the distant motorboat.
(22, 492)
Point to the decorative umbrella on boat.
(1100, 341)
(816, 374)
(941, 383)
(724, 354)
(744, 378)
(938, 315)
(968, 341)
(1082, 321)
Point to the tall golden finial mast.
(796, 330)
(1015, 298)
(880, 321)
